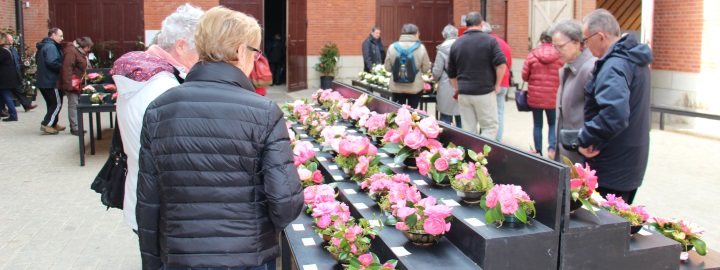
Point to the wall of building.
(7, 17)
(35, 22)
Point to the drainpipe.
(483, 7)
(19, 25)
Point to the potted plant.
(424, 222)
(507, 203)
(583, 183)
(685, 232)
(329, 216)
(97, 98)
(95, 77)
(635, 214)
(370, 261)
(379, 185)
(350, 149)
(327, 64)
(303, 152)
(411, 138)
(396, 194)
(351, 240)
(441, 163)
(318, 194)
(474, 180)
(310, 175)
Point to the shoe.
(551, 154)
(30, 107)
(75, 132)
(59, 127)
(4, 113)
(10, 119)
(48, 130)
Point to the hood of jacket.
(47, 40)
(546, 54)
(629, 48)
(140, 66)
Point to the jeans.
(537, 129)
(413, 100)
(271, 265)
(10, 104)
(501, 111)
(449, 118)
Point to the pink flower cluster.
(508, 196)
(620, 204)
(324, 211)
(323, 95)
(356, 145)
(332, 136)
(375, 122)
(404, 193)
(307, 175)
(586, 176)
(690, 229)
(110, 87)
(432, 217)
(302, 152)
(367, 259)
(318, 194)
(385, 182)
(468, 172)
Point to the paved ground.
(50, 219)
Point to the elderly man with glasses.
(615, 138)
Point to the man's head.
(229, 36)
(449, 31)
(56, 34)
(474, 20)
(601, 30)
(10, 39)
(176, 35)
(375, 32)
(410, 29)
(4, 39)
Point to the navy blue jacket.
(617, 115)
(49, 61)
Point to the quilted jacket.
(217, 181)
(541, 72)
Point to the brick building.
(683, 34)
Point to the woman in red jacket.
(541, 72)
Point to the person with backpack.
(407, 60)
(476, 67)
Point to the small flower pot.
(512, 220)
(410, 163)
(419, 239)
(444, 183)
(327, 238)
(348, 171)
(575, 205)
(635, 228)
(343, 263)
(470, 197)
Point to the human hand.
(455, 96)
(589, 152)
(497, 89)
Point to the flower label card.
(298, 227)
(316, 149)
(450, 203)
(360, 206)
(303, 136)
(474, 222)
(351, 131)
(349, 191)
(300, 128)
(644, 232)
(308, 241)
(400, 251)
(321, 159)
(374, 223)
(333, 167)
(310, 267)
(382, 154)
(420, 182)
(338, 178)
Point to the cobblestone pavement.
(50, 219)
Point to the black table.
(90, 109)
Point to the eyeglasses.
(587, 38)
(257, 52)
(560, 47)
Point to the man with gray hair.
(615, 138)
(476, 66)
(373, 49)
(505, 84)
(143, 76)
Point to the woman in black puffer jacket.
(216, 182)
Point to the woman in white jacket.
(141, 77)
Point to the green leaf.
(375, 258)
(521, 215)
(440, 176)
(375, 161)
(472, 154)
(489, 217)
(354, 262)
(391, 221)
(392, 148)
(327, 148)
(588, 205)
(400, 158)
(386, 170)
(313, 166)
(453, 161)
(699, 246)
(486, 150)
(405, 150)
(434, 158)
(497, 212)
(573, 172)
(411, 220)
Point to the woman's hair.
(4, 39)
(179, 25)
(570, 28)
(222, 31)
(545, 38)
(449, 31)
(84, 42)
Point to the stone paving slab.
(51, 219)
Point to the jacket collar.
(408, 38)
(219, 72)
(579, 61)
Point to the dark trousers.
(53, 99)
(276, 69)
(628, 196)
(7, 99)
(449, 118)
(24, 101)
(413, 100)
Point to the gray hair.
(449, 31)
(180, 24)
(473, 19)
(487, 27)
(409, 29)
(570, 28)
(602, 20)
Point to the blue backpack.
(404, 68)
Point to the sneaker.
(48, 130)
(75, 132)
(30, 107)
(59, 127)
(551, 154)
(10, 119)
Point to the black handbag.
(569, 139)
(110, 181)
(521, 99)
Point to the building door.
(430, 16)
(251, 7)
(297, 45)
(544, 14)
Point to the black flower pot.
(575, 205)
(410, 163)
(470, 197)
(326, 82)
(419, 239)
(635, 228)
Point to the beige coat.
(422, 62)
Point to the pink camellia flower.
(401, 226)
(317, 177)
(325, 208)
(353, 249)
(613, 201)
(430, 127)
(309, 194)
(427, 202)
(375, 122)
(392, 136)
(365, 259)
(345, 110)
(401, 178)
(363, 164)
(403, 120)
(387, 266)
(508, 196)
(415, 139)
(468, 172)
(372, 150)
(433, 144)
(403, 212)
(324, 222)
(304, 151)
(423, 165)
(359, 112)
(304, 174)
(438, 211)
(345, 148)
(641, 211)
(508, 205)
(589, 175)
(435, 226)
(336, 241)
(661, 221)
(441, 164)
(576, 183)
(427, 86)
(352, 232)
(690, 228)
(450, 153)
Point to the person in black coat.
(615, 138)
(49, 61)
(276, 57)
(17, 91)
(217, 181)
(9, 77)
(373, 49)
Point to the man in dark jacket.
(615, 138)
(49, 61)
(216, 182)
(476, 67)
(276, 57)
(373, 49)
